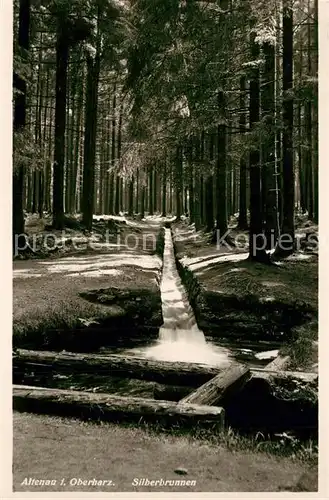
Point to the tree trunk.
(81, 164)
(210, 189)
(137, 193)
(202, 214)
(186, 200)
(113, 154)
(48, 173)
(243, 223)
(143, 201)
(102, 163)
(229, 180)
(164, 190)
(107, 160)
(121, 186)
(221, 173)
(28, 176)
(35, 175)
(19, 124)
(179, 180)
(257, 242)
(62, 55)
(190, 153)
(118, 195)
(221, 162)
(69, 125)
(118, 180)
(315, 116)
(155, 190)
(75, 165)
(131, 197)
(278, 114)
(301, 173)
(45, 200)
(75, 120)
(41, 171)
(93, 68)
(151, 207)
(170, 192)
(201, 191)
(286, 241)
(308, 128)
(197, 209)
(268, 149)
(37, 129)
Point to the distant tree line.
(204, 108)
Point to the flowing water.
(180, 339)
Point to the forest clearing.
(165, 244)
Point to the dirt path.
(57, 449)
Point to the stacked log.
(212, 392)
(88, 405)
(116, 365)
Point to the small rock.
(181, 471)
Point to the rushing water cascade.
(180, 339)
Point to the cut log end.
(227, 381)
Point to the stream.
(180, 339)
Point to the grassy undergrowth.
(290, 282)
(280, 445)
(303, 348)
(72, 449)
(251, 299)
(48, 304)
(38, 325)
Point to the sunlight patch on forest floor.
(299, 256)
(291, 282)
(109, 233)
(101, 265)
(98, 273)
(46, 291)
(233, 257)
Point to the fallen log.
(264, 373)
(88, 405)
(227, 382)
(117, 365)
(279, 363)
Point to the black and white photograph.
(165, 217)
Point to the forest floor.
(292, 281)
(46, 290)
(47, 295)
(56, 448)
